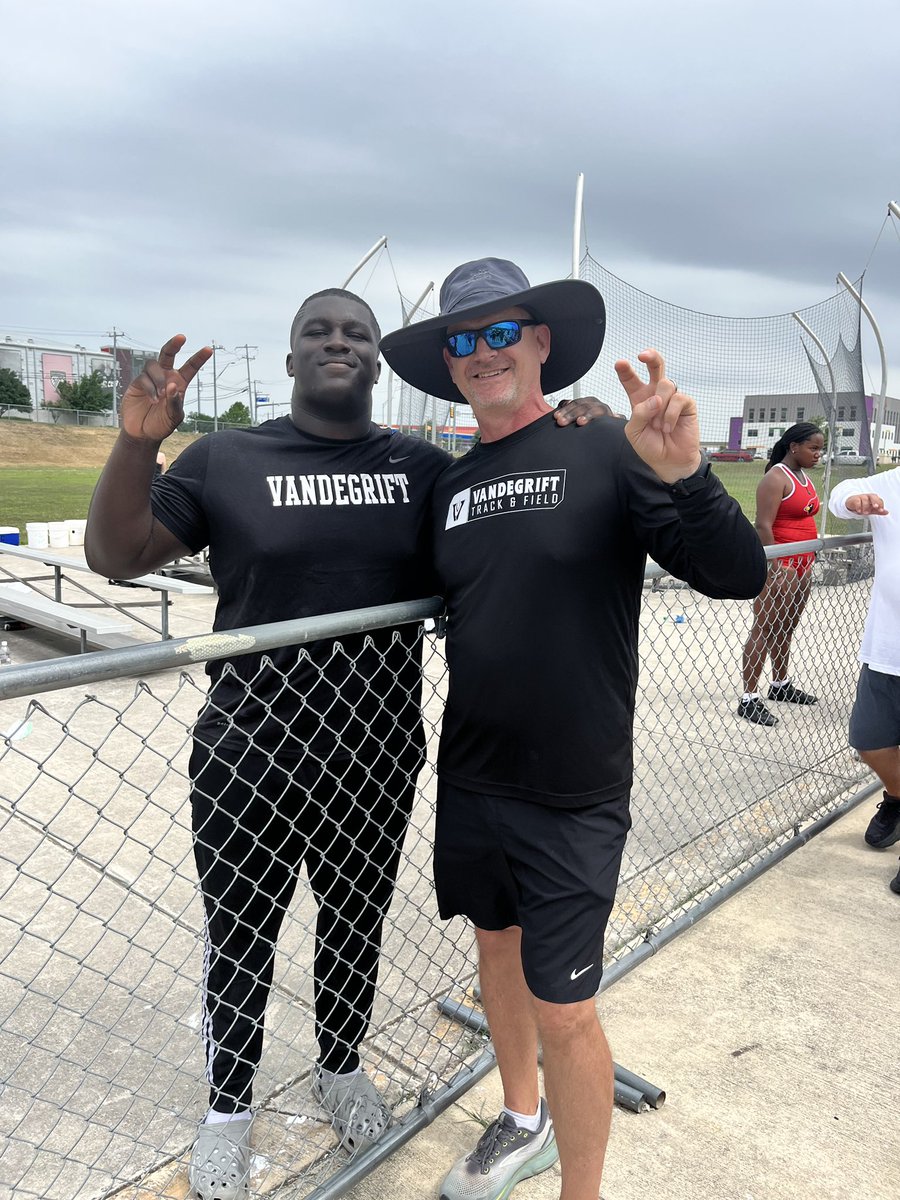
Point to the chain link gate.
(101, 924)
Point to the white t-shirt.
(880, 648)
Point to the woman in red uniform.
(786, 507)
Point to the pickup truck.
(846, 458)
(730, 456)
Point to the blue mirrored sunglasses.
(498, 336)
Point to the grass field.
(58, 492)
(45, 494)
(48, 472)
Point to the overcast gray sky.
(201, 167)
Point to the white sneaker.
(504, 1156)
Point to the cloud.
(205, 167)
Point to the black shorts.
(552, 871)
(875, 719)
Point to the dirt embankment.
(28, 444)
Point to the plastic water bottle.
(5, 656)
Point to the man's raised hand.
(663, 427)
(153, 403)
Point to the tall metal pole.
(407, 317)
(576, 232)
(418, 304)
(893, 208)
(390, 399)
(215, 347)
(576, 249)
(878, 415)
(382, 241)
(826, 482)
(116, 413)
(246, 349)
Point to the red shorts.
(801, 563)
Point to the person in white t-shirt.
(875, 719)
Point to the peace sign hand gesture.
(663, 428)
(153, 403)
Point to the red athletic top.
(796, 513)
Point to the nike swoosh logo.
(575, 974)
(402, 458)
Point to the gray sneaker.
(504, 1156)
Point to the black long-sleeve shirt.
(541, 542)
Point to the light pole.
(218, 374)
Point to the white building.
(42, 366)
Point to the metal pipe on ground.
(629, 1097)
(654, 1096)
(636, 1093)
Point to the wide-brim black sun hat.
(572, 308)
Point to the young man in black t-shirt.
(312, 758)
(541, 540)
(298, 757)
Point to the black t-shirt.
(298, 526)
(541, 542)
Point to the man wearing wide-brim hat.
(541, 541)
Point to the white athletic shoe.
(504, 1156)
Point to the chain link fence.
(107, 1018)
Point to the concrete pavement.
(772, 1027)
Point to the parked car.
(847, 458)
(730, 456)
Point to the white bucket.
(76, 532)
(59, 534)
(38, 534)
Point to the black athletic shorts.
(875, 719)
(552, 871)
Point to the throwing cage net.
(752, 377)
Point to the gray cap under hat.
(572, 308)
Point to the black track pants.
(254, 822)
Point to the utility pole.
(215, 347)
(115, 336)
(246, 350)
